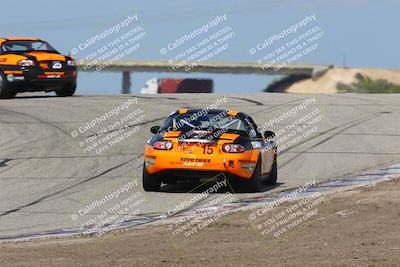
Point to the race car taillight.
(233, 148)
(163, 145)
(26, 63)
(71, 63)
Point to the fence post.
(126, 82)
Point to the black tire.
(151, 182)
(66, 90)
(255, 182)
(273, 175)
(5, 90)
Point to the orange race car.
(197, 144)
(31, 64)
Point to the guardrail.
(126, 67)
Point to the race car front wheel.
(66, 90)
(151, 182)
(5, 90)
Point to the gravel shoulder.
(353, 228)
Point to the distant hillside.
(341, 80)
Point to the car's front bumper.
(36, 79)
(237, 164)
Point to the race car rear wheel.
(273, 175)
(255, 182)
(66, 90)
(5, 90)
(151, 182)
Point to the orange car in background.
(31, 64)
(195, 144)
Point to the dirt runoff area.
(353, 228)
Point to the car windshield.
(26, 46)
(210, 122)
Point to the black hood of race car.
(199, 134)
(203, 136)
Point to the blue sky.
(361, 33)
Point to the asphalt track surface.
(46, 178)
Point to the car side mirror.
(154, 129)
(269, 135)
